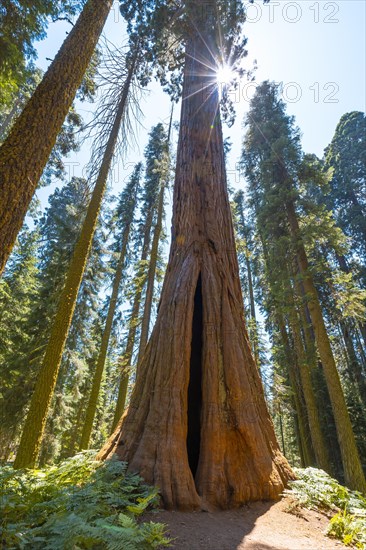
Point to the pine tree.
(125, 217)
(37, 415)
(55, 233)
(162, 171)
(153, 198)
(25, 152)
(275, 245)
(19, 288)
(345, 157)
(272, 158)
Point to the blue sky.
(315, 48)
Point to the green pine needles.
(79, 504)
(316, 490)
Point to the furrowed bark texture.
(198, 426)
(30, 442)
(25, 152)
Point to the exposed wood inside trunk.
(239, 458)
(195, 383)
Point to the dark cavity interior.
(195, 383)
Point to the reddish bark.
(210, 442)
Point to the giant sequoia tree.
(198, 425)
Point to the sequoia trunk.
(198, 426)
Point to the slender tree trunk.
(126, 359)
(252, 309)
(25, 152)
(362, 327)
(151, 274)
(250, 284)
(303, 463)
(198, 425)
(319, 384)
(316, 434)
(251, 289)
(76, 429)
(361, 348)
(281, 430)
(354, 476)
(145, 323)
(122, 395)
(93, 397)
(354, 365)
(34, 426)
(344, 267)
(292, 366)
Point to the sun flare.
(224, 75)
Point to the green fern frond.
(78, 504)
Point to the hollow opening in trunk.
(195, 383)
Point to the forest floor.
(257, 526)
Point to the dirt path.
(258, 526)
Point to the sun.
(224, 75)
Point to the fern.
(316, 490)
(349, 529)
(78, 504)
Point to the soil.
(257, 526)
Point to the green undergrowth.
(316, 490)
(79, 504)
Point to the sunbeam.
(224, 75)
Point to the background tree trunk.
(126, 359)
(145, 322)
(305, 446)
(36, 419)
(318, 441)
(198, 425)
(93, 397)
(25, 152)
(353, 473)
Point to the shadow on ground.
(257, 526)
